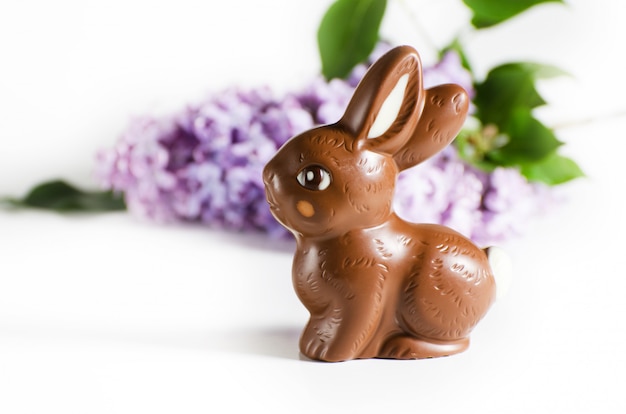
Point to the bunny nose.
(271, 184)
(268, 177)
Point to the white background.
(108, 314)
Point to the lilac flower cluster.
(487, 207)
(204, 164)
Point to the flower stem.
(418, 26)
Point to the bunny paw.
(323, 347)
(320, 350)
(406, 347)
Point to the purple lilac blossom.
(487, 207)
(449, 70)
(204, 164)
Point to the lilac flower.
(487, 207)
(326, 101)
(204, 164)
(137, 166)
(449, 70)
(509, 203)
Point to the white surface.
(105, 314)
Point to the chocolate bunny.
(375, 285)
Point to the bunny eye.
(314, 178)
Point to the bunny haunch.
(375, 285)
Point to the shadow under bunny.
(276, 342)
(279, 342)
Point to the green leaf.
(552, 170)
(60, 196)
(488, 13)
(347, 35)
(457, 47)
(529, 140)
(508, 87)
(505, 99)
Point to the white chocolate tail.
(502, 268)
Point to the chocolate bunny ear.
(444, 113)
(387, 103)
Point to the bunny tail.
(502, 268)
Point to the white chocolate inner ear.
(390, 109)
